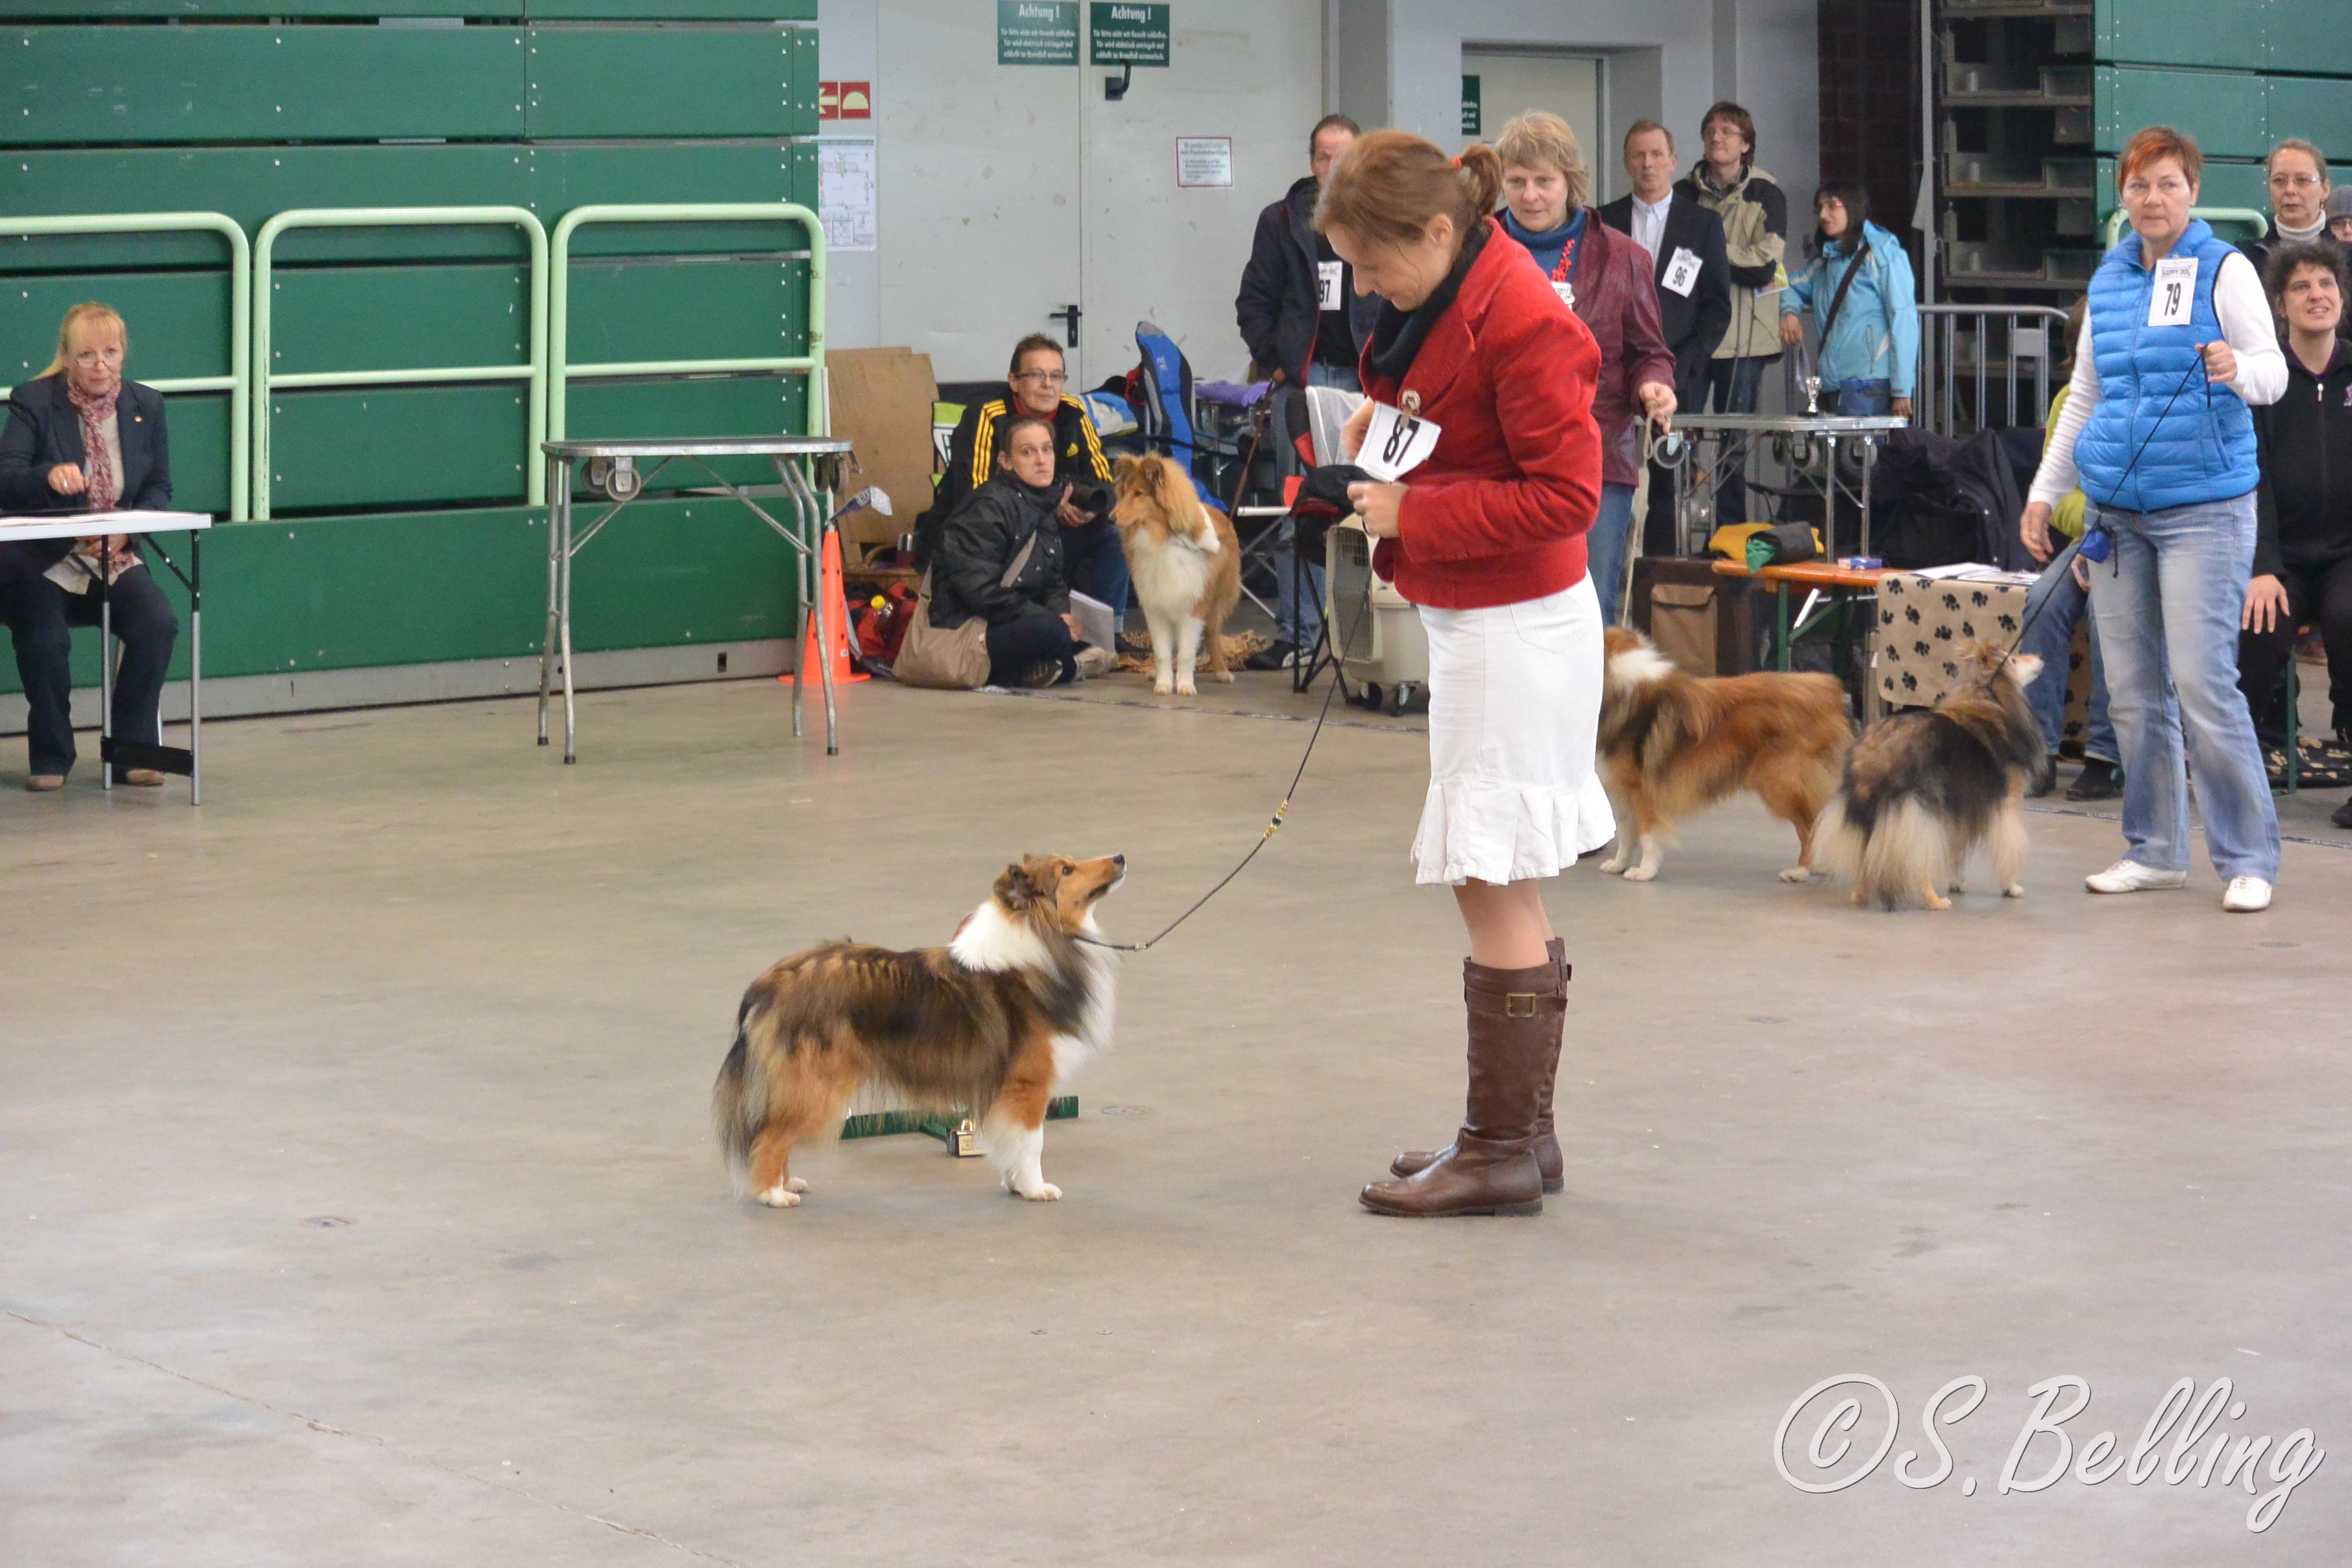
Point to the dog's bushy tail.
(1909, 850)
(1838, 843)
(738, 1100)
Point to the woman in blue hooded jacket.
(1870, 354)
(2159, 430)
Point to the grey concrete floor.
(357, 1203)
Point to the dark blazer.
(44, 429)
(1693, 323)
(1279, 309)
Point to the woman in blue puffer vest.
(1870, 354)
(2160, 432)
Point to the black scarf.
(1398, 335)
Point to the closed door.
(1569, 86)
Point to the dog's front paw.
(1186, 689)
(1612, 865)
(1641, 873)
(1042, 1193)
(1224, 677)
(1797, 874)
(787, 1196)
(2014, 890)
(1162, 688)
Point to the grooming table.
(808, 468)
(140, 526)
(1839, 586)
(1796, 433)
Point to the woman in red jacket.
(1486, 535)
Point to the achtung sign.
(1037, 31)
(1121, 34)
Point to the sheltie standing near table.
(1486, 535)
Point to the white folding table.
(141, 526)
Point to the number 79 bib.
(2175, 293)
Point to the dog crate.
(1380, 648)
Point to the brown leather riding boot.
(1514, 1027)
(1548, 1158)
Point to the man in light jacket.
(1755, 214)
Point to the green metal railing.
(238, 382)
(534, 370)
(560, 372)
(2260, 221)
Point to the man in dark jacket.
(1693, 274)
(1000, 559)
(1092, 560)
(1305, 325)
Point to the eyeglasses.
(2294, 181)
(90, 359)
(1044, 377)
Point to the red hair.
(2155, 143)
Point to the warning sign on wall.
(1474, 112)
(1037, 31)
(1204, 162)
(844, 101)
(1121, 34)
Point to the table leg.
(1781, 626)
(196, 668)
(563, 615)
(824, 647)
(1869, 461)
(801, 595)
(559, 484)
(105, 672)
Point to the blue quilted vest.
(2203, 449)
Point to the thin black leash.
(1273, 825)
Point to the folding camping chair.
(1169, 416)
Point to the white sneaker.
(2131, 877)
(2246, 896)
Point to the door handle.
(1069, 316)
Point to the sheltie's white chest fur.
(990, 940)
(1171, 574)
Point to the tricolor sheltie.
(984, 1027)
(1186, 563)
(1672, 744)
(1923, 789)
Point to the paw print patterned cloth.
(1923, 621)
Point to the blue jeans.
(1605, 547)
(1094, 564)
(1861, 399)
(2050, 637)
(1298, 618)
(1732, 384)
(2167, 604)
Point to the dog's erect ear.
(1122, 470)
(1016, 889)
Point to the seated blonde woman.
(81, 438)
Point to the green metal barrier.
(2259, 221)
(534, 370)
(559, 371)
(238, 382)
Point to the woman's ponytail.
(1390, 185)
(1482, 180)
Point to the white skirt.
(1514, 711)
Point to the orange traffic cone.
(836, 620)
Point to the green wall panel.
(135, 84)
(686, 308)
(566, 176)
(178, 321)
(2314, 108)
(394, 447)
(397, 318)
(674, 10)
(2220, 33)
(251, 184)
(703, 406)
(2227, 115)
(604, 81)
(2224, 185)
(296, 9)
(198, 423)
(2309, 36)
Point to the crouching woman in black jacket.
(80, 438)
(1000, 559)
(2303, 507)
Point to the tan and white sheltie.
(1672, 744)
(1922, 789)
(986, 1026)
(1186, 563)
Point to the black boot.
(2099, 780)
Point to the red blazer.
(1619, 300)
(1499, 513)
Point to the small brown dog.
(1923, 789)
(1187, 567)
(1671, 744)
(985, 1026)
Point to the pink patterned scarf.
(105, 485)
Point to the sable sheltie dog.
(1923, 789)
(1187, 567)
(1672, 744)
(985, 1025)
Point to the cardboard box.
(881, 402)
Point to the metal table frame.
(141, 527)
(1828, 429)
(808, 466)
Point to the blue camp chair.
(1166, 410)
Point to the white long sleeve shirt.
(2246, 325)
